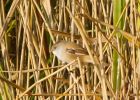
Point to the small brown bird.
(69, 51)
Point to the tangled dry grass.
(109, 29)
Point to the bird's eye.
(54, 47)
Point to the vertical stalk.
(118, 6)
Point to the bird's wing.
(77, 51)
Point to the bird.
(67, 51)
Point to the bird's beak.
(50, 50)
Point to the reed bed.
(107, 29)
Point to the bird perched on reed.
(69, 51)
